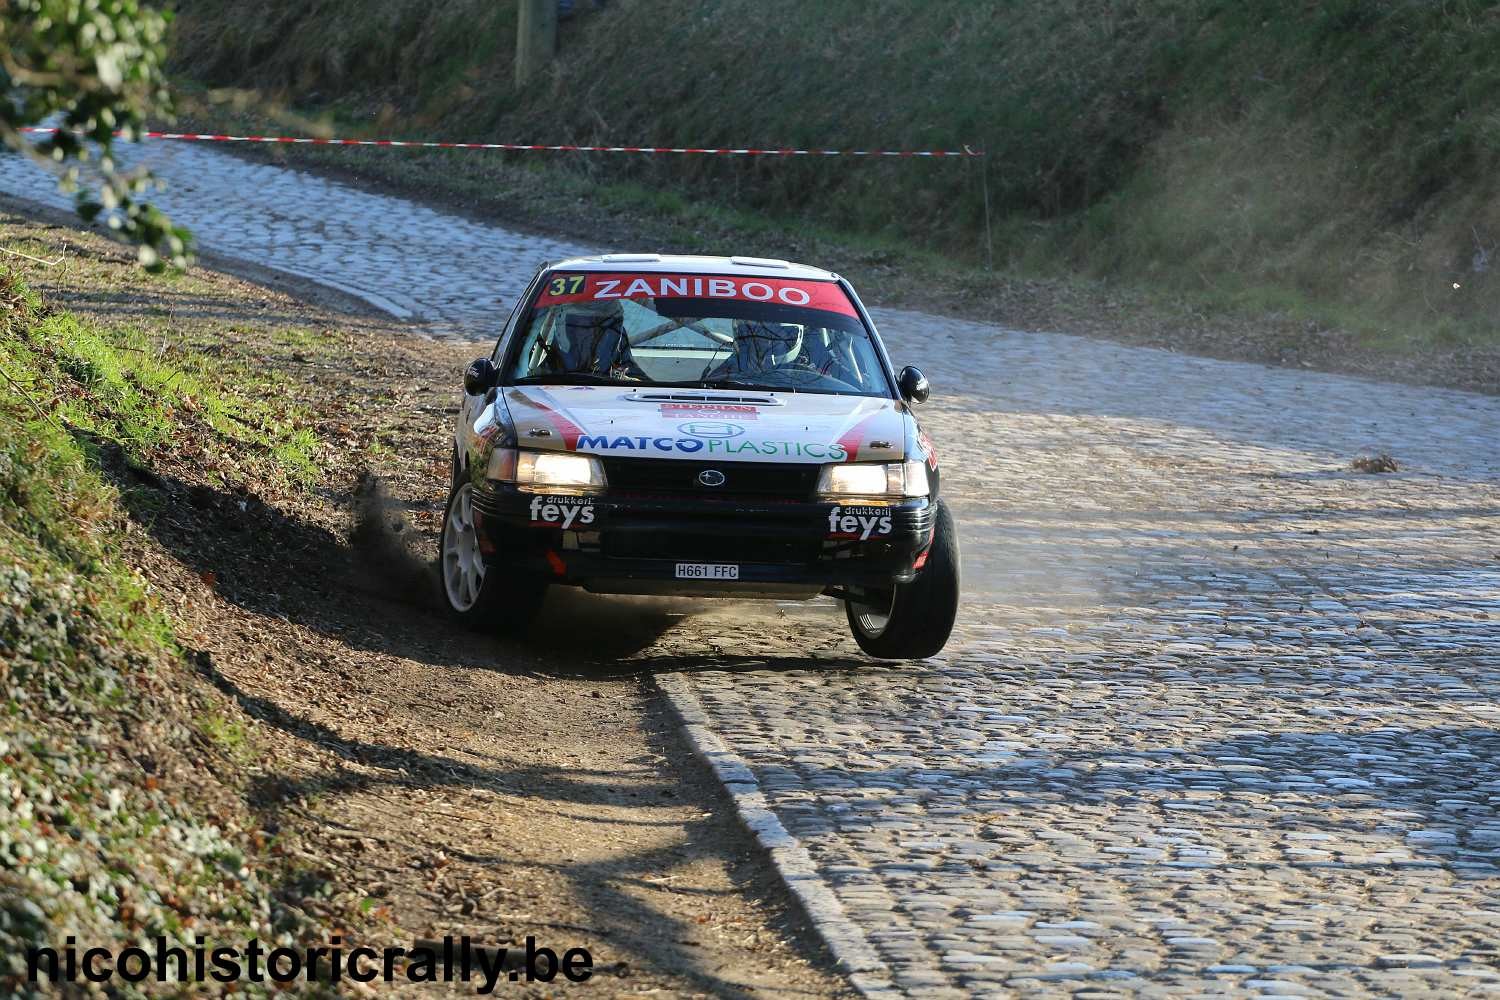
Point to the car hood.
(737, 425)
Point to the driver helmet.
(590, 336)
(768, 344)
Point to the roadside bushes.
(1339, 156)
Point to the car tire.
(481, 597)
(913, 620)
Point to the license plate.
(708, 571)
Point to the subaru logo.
(710, 429)
(711, 477)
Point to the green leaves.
(93, 68)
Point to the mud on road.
(457, 783)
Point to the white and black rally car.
(698, 426)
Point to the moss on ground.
(118, 814)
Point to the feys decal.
(562, 512)
(859, 522)
(824, 295)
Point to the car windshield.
(698, 331)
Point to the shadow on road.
(279, 565)
(617, 883)
(373, 591)
(368, 591)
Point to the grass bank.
(1331, 163)
(233, 708)
(123, 771)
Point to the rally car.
(703, 426)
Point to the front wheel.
(912, 620)
(479, 597)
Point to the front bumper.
(633, 543)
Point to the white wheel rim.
(463, 563)
(873, 618)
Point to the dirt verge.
(454, 783)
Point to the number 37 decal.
(567, 285)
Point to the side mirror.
(913, 385)
(480, 377)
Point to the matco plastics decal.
(802, 428)
(859, 522)
(711, 437)
(824, 295)
(561, 512)
(712, 446)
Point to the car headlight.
(874, 479)
(546, 470)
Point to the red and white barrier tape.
(538, 147)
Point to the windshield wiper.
(575, 378)
(732, 383)
(736, 383)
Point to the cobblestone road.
(440, 270)
(1221, 717)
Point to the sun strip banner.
(563, 288)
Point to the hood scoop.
(680, 396)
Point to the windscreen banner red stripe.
(562, 288)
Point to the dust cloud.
(385, 548)
(383, 556)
